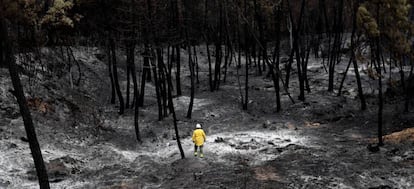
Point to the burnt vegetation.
(180, 47)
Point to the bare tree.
(6, 49)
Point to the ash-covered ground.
(319, 143)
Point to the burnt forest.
(210, 94)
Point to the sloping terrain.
(319, 143)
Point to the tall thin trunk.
(191, 66)
(172, 110)
(325, 24)
(115, 75)
(226, 58)
(178, 72)
(197, 68)
(169, 59)
(206, 38)
(164, 89)
(354, 60)
(217, 65)
(305, 69)
(24, 110)
(276, 59)
(131, 67)
(255, 56)
(161, 81)
(136, 120)
(157, 89)
(246, 82)
(128, 68)
(239, 47)
(210, 77)
(229, 56)
(246, 99)
(146, 71)
(109, 58)
(146, 75)
(136, 94)
(229, 46)
(218, 43)
(336, 57)
(380, 98)
(191, 59)
(331, 63)
(256, 18)
(344, 77)
(296, 29)
(178, 20)
(288, 67)
(262, 46)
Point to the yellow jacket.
(199, 137)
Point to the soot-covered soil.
(320, 143)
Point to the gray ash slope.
(321, 143)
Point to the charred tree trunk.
(191, 67)
(288, 66)
(305, 70)
(18, 92)
(218, 43)
(276, 59)
(262, 53)
(178, 20)
(335, 54)
(378, 69)
(109, 58)
(178, 72)
(226, 57)
(115, 75)
(229, 46)
(136, 94)
(217, 66)
(128, 69)
(354, 60)
(344, 77)
(136, 120)
(246, 97)
(207, 41)
(325, 24)
(210, 73)
(161, 81)
(296, 29)
(157, 88)
(239, 52)
(196, 67)
(190, 61)
(380, 97)
(145, 73)
(172, 110)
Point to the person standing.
(199, 137)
